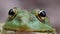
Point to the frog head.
(22, 20)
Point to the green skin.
(27, 21)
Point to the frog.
(27, 21)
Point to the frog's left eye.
(42, 13)
(11, 12)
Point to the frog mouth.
(42, 31)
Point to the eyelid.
(14, 9)
(40, 11)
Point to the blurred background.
(52, 8)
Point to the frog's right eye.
(11, 12)
(42, 13)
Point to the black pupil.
(43, 14)
(11, 12)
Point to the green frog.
(31, 21)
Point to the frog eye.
(42, 13)
(11, 12)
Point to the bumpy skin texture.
(27, 21)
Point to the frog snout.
(24, 20)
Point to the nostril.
(19, 18)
